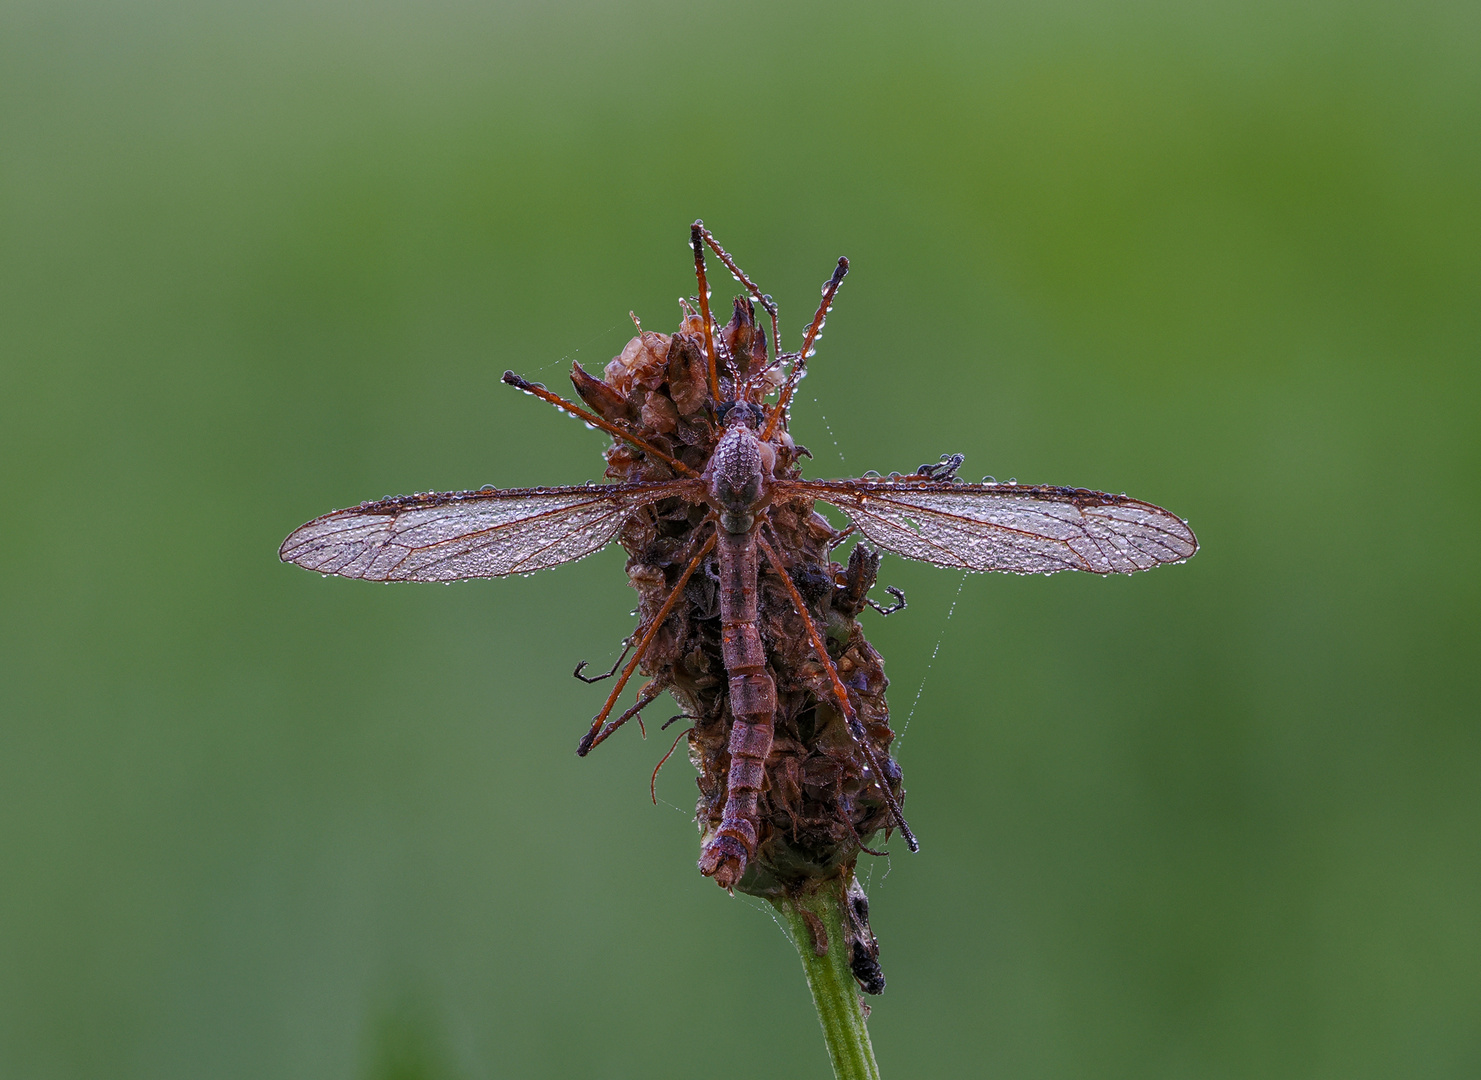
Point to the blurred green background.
(260, 261)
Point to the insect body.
(745, 618)
(739, 483)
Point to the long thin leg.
(628, 647)
(596, 421)
(839, 538)
(653, 784)
(898, 605)
(856, 728)
(813, 330)
(590, 738)
(765, 300)
(646, 697)
(696, 241)
(846, 815)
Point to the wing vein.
(1007, 527)
(455, 535)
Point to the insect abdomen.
(752, 706)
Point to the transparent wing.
(1012, 528)
(468, 534)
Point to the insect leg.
(696, 242)
(646, 697)
(814, 328)
(765, 301)
(628, 647)
(856, 728)
(841, 537)
(590, 738)
(865, 847)
(596, 421)
(653, 784)
(898, 605)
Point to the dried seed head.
(818, 805)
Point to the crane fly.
(740, 595)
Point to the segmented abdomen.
(752, 705)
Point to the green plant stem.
(834, 991)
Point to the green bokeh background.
(259, 261)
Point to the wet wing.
(1012, 528)
(468, 534)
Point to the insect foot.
(945, 469)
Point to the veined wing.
(1012, 528)
(466, 534)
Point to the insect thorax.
(737, 478)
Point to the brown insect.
(744, 616)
